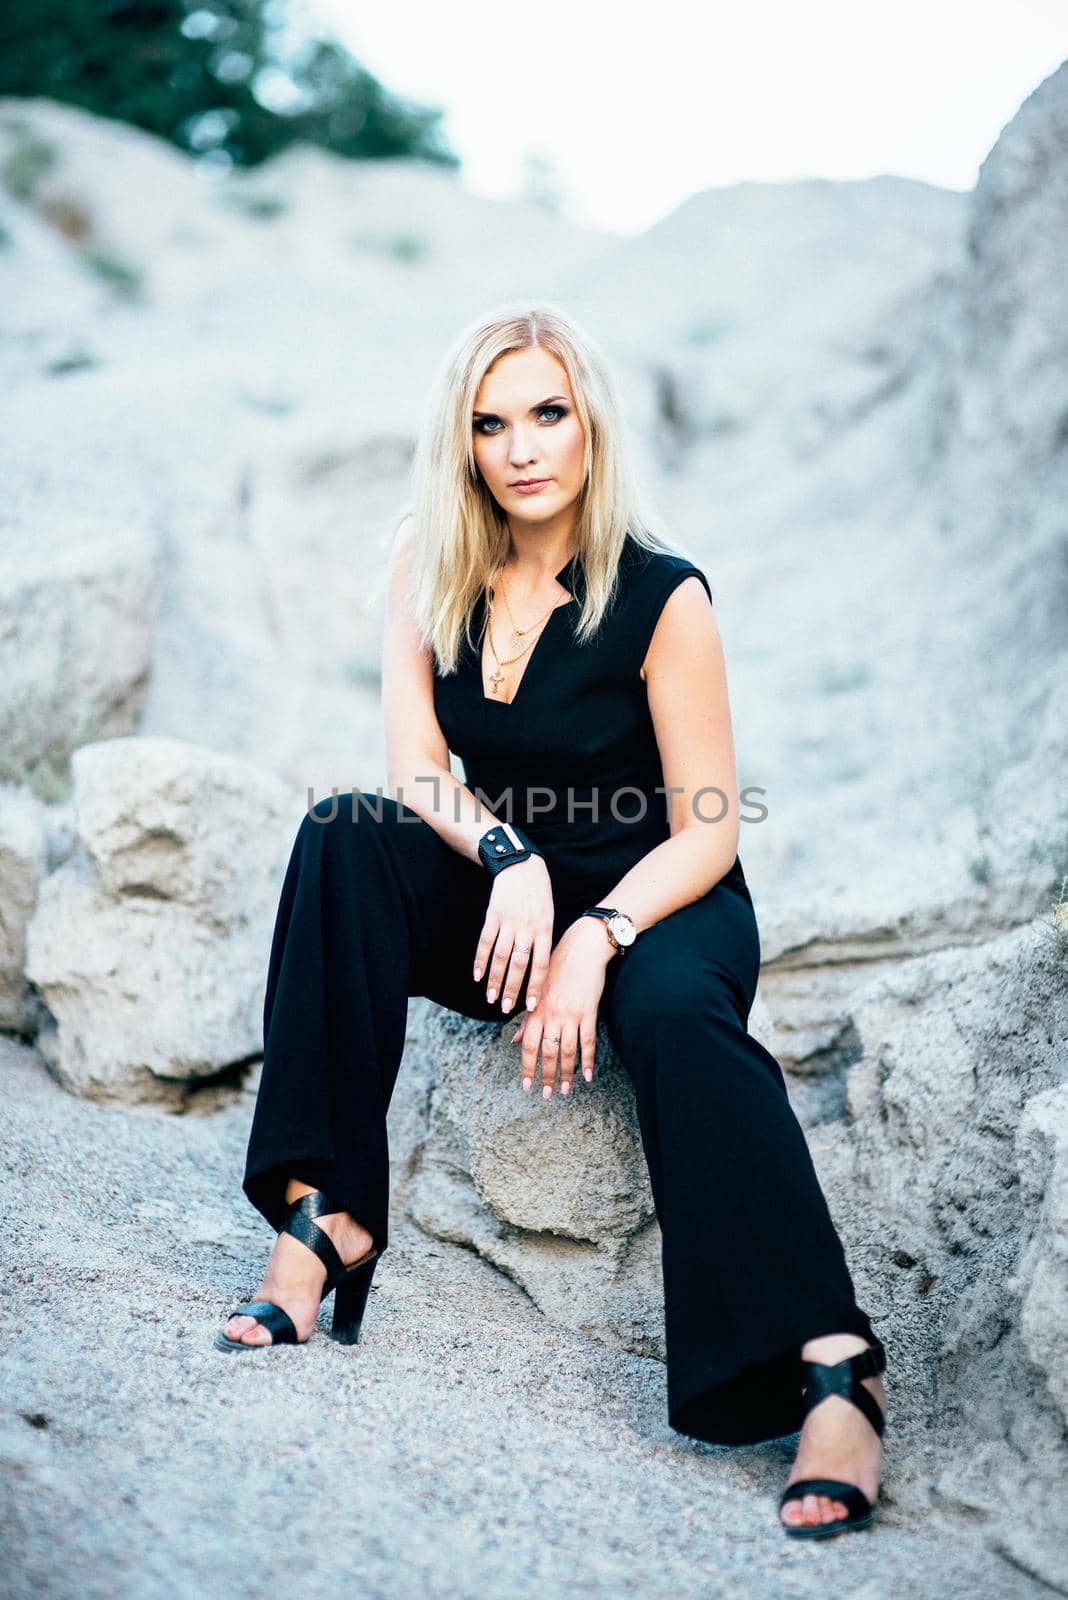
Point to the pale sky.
(634, 107)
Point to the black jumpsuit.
(376, 907)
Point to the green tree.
(220, 78)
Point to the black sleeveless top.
(573, 758)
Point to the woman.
(540, 630)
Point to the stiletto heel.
(350, 1298)
(349, 1283)
(841, 1378)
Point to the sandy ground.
(466, 1446)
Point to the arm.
(687, 683)
(415, 744)
(517, 929)
(685, 674)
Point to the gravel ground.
(466, 1446)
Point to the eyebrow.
(538, 407)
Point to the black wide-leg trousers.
(375, 907)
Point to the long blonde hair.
(461, 533)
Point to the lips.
(529, 483)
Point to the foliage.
(224, 79)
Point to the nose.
(522, 452)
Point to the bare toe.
(247, 1330)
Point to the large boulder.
(149, 944)
(554, 1192)
(957, 1164)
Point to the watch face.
(623, 929)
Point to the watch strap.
(606, 913)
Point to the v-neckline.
(492, 700)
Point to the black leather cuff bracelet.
(503, 845)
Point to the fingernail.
(491, 994)
(526, 1084)
(532, 1001)
(514, 1037)
(478, 973)
(546, 1090)
(506, 1004)
(587, 1073)
(565, 1088)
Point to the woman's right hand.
(520, 912)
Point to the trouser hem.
(265, 1188)
(759, 1398)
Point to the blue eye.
(481, 423)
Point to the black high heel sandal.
(841, 1378)
(350, 1285)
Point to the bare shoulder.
(687, 624)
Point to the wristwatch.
(618, 925)
(502, 846)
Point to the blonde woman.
(540, 628)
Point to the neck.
(537, 556)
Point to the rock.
(76, 616)
(148, 944)
(554, 1193)
(957, 1158)
(1041, 1278)
(23, 855)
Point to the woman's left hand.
(566, 1015)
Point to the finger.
(550, 1056)
(516, 968)
(568, 1052)
(501, 956)
(532, 1031)
(484, 946)
(539, 967)
(588, 1035)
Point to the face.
(525, 426)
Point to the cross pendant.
(496, 678)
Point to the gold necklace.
(519, 633)
(497, 676)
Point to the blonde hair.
(461, 533)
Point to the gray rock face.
(23, 859)
(75, 635)
(850, 401)
(147, 944)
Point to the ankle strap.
(300, 1222)
(867, 1363)
(843, 1378)
(315, 1204)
